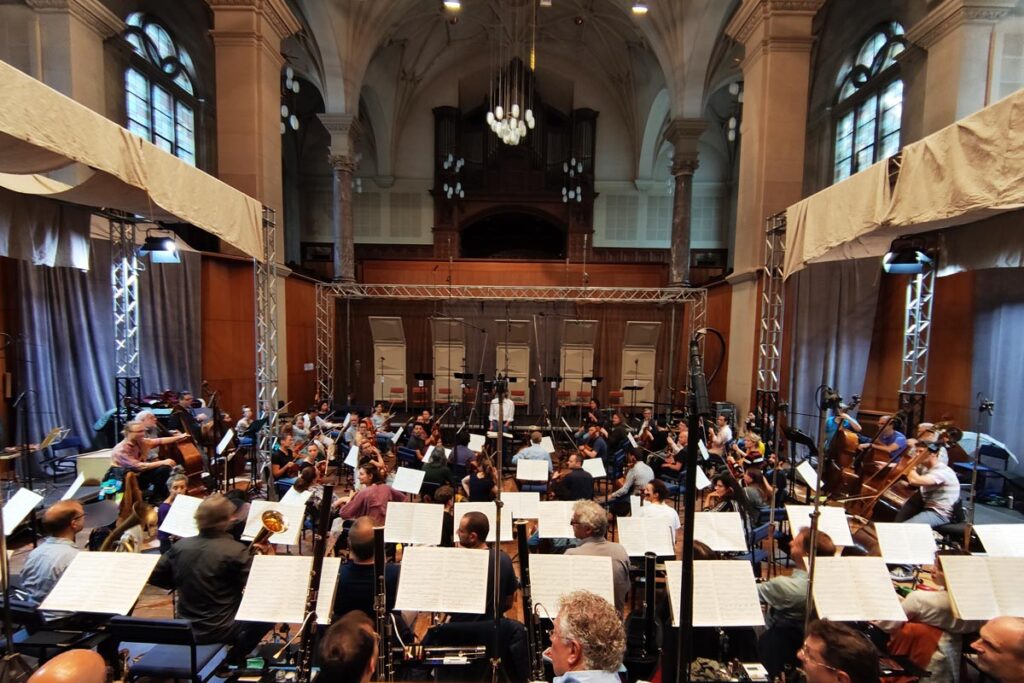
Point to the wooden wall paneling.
(300, 300)
(491, 272)
(229, 331)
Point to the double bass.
(841, 457)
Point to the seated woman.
(283, 465)
(756, 488)
(436, 471)
(655, 494)
(481, 485)
(372, 500)
(177, 484)
(723, 495)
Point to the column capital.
(345, 131)
(92, 13)
(949, 15)
(683, 135)
(753, 14)
(684, 166)
(275, 12)
(343, 162)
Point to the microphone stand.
(985, 407)
(500, 387)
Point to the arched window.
(869, 103)
(160, 88)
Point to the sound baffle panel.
(512, 356)
(388, 357)
(449, 354)
(578, 338)
(639, 352)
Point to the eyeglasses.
(805, 656)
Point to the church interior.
(641, 302)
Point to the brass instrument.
(385, 656)
(534, 637)
(273, 522)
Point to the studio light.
(639, 8)
(160, 248)
(453, 5)
(906, 257)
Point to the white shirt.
(508, 409)
(723, 437)
(664, 512)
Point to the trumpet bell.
(274, 522)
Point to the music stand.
(252, 433)
(632, 388)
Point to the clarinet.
(533, 632)
(385, 658)
(305, 663)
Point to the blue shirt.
(45, 565)
(894, 438)
(533, 452)
(588, 676)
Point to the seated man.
(836, 653)
(575, 483)
(1000, 648)
(209, 572)
(356, 575)
(348, 650)
(940, 489)
(47, 562)
(588, 642)
(473, 530)
(590, 526)
(132, 455)
(638, 476)
(534, 452)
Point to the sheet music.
(855, 589)
(344, 424)
(703, 449)
(596, 467)
(293, 516)
(226, 441)
(490, 510)
(418, 523)
(906, 543)
(521, 505)
(276, 589)
(721, 531)
(89, 585)
(638, 535)
(408, 480)
(294, 497)
(75, 485)
(352, 459)
(635, 503)
(494, 435)
(552, 576)
(832, 522)
(553, 518)
(422, 586)
(632, 441)
(702, 479)
(477, 442)
(547, 444)
(981, 588)
(810, 476)
(727, 595)
(427, 453)
(181, 518)
(397, 435)
(1001, 540)
(531, 470)
(17, 508)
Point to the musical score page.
(810, 477)
(101, 583)
(276, 589)
(727, 594)
(489, 509)
(226, 441)
(477, 442)
(75, 485)
(639, 535)
(531, 470)
(17, 508)
(1002, 540)
(352, 459)
(855, 589)
(181, 518)
(547, 444)
(422, 586)
(721, 531)
(703, 449)
(293, 515)
(832, 522)
(408, 480)
(596, 468)
(521, 504)
(702, 479)
(553, 518)
(552, 576)
(295, 497)
(981, 588)
(906, 543)
(418, 523)
(635, 503)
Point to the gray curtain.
(998, 368)
(65, 354)
(833, 306)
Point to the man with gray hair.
(590, 525)
(587, 641)
(209, 571)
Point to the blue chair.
(407, 458)
(63, 462)
(755, 554)
(44, 639)
(175, 653)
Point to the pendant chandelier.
(514, 54)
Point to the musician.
(131, 453)
(681, 439)
(462, 455)
(618, 435)
(594, 415)
(425, 418)
(575, 483)
(940, 488)
(177, 484)
(356, 575)
(372, 500)
(300, 428)
(417, 441)
(481, 486)
(349, 649)
(836, 653)
(209, 571)
(183, 421)
(72, 666)
(47, 561)
(655, 507)
(786, 596)
(723, 494)
(283, 465)
(534, 452)
(1000, 648)
(587, 641)
(595, 446)
(756, 488)
(436, 470)
(381, 423)
(507, 408)
(243, 425)
(638, 475)
(840, 419)
(590, 527)
(473, 530)
(888, 440)
(445, 496)
(721, 436)
(153, 427)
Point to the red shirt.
(372, 502)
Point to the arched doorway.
(513, 235)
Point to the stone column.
(777, 40)
(343, 130)
(683, 134)
(957, 35)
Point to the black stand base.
(14, 669)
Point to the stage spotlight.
(906, 257)
(160, 248)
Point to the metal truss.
(698, 318)
(124, 280)
(325, 342)
(664, 295)
(769, 348)
(266, 330)
(917, 334)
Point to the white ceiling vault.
(395, 57)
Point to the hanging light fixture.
(510, 115)
(639, 8)
(572, 188)
(289, 88)
(161, 248)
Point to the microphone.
(19, 399)
(698, 381)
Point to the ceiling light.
(160, 248)
(639, 8)
(453, 5)
(906, 258)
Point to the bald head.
(360, 540)
(63, 519)
(1000, 648)
(73, 666)
(214, 513)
